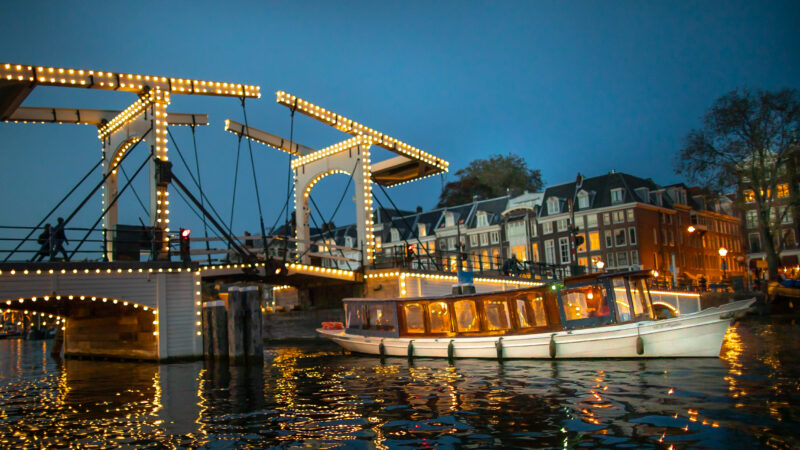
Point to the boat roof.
(567, 281)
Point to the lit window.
(783, 190)
(439, 315)
(585, 302)
(497, 317)
(594, 240)
(466, 316)
(749, 196)
(415, 322)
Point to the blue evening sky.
(570, 86)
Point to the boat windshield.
(621, 300)
(639, 299)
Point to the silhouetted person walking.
(59, 239)
(46, 245)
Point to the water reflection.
(313, 395)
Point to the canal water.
(313, 395)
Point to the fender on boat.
(499, 346)
(639, 341)
(553, 346)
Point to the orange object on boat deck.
(332, 326)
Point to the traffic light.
(184, 244)
(579, 240)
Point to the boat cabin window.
(415, 317)
(497, 317)
(530, 311)
(539, 314)
(621, 296)
(354, 315)
(466, 316)
(522, 313)
(370, 316)
(584, 303)
(641, 304)
(381, 316)
(439, 315)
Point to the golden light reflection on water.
(304, 397)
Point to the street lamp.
(724, 264)
(691, 229)
(599, 264)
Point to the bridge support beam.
(350, 157)
(144, 120)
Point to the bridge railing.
(485, 265)
(27, 244)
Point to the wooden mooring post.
(254, 340)
(215, 330)
(232, 328)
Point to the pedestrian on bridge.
(59, 238)
(46, 245)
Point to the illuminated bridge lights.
(129, 82)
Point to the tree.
(491, 177)
(747, 141)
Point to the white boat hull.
(693, 335)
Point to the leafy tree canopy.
(491, 177)
(749, 141)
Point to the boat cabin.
(585, 301)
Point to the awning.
(788, 260)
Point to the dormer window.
(583, 199)
(348, 242)
(395, 235)
(553, 205)
(483, 219)
(422, 230)
(644, 194)
(616, 195)
(449, 219)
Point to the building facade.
(618, 221)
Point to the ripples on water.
(313, 395)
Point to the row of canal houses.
(625, 222)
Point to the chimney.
(419, 209)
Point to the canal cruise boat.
(589, 316)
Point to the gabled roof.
(599, 189)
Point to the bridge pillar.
(144, 121)
(351, 157)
